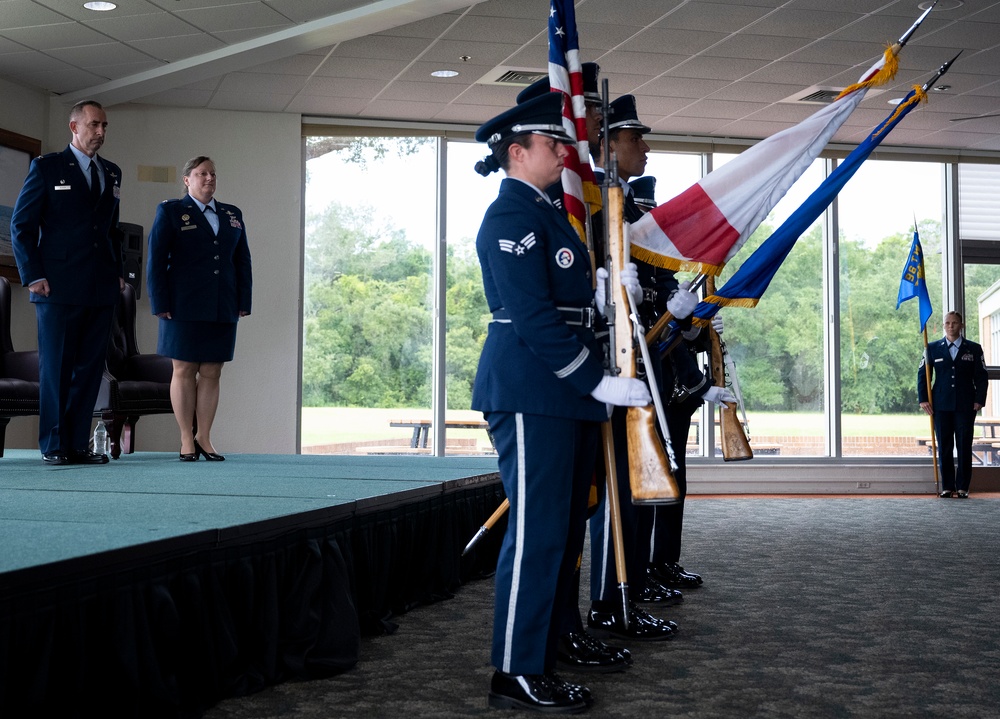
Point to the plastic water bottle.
(102, 444)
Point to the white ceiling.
(712, 68)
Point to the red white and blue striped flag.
(566, 76)
(706, 225)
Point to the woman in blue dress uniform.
(200, 281)
(541, 386)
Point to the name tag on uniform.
(63, 187)
(939, 359)
(188, 227)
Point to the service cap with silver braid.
(539, 116)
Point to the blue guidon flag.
(913, 283)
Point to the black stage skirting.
(167, 628)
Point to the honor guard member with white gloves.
(541, 386)
(659, 291)
(577, 649)
(683, 387)
(960, 381)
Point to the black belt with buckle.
(575, 316)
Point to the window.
(369, 239)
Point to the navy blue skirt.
(197, 341)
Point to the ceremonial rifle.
(735, 446)
(613, 207)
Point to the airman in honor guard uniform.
(683, 387)
(577, 649)
(542, 388)
(660, 293)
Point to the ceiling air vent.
(815, 95)
(820, 96)
(512, 76)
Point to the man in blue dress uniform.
(68, 248)
(541, 386)
(661, 293)
(960, 381)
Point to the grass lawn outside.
(327, 425)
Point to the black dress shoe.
(193, 457)
(962, 494)
(574, 689)
(210, 456)
(642, 626)
(579, 650)
(656, 593)
(55, 458)
(946, 494)
(540, 692)
(671, 574)
(85, 456)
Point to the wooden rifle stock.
(735, 446)
(650, 477)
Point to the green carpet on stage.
(49, 514)
(811, 608)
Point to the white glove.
(600, 293)
(622, 392)
(717, 324)
(630, 281)
(682, 302)
(719, 395)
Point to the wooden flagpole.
(930, 401)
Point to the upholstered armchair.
(18, 372)
(134, 384)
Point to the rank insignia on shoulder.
(519, 247)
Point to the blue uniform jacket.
(956, 384)
(193, 274)
(533, 263)
(82, 260)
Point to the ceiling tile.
(46, 37)
(141, 27)
(24, 13)
(172, 49)
(227, 17)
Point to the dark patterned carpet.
(812, 607)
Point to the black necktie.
(95, 182)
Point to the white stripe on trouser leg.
(515, 579)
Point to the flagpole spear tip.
(913, 28)
(941, 71)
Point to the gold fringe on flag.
(673, 263)
(919, 95)
(592, 196)
(884, 75)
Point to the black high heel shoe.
(193, 457)
(210, 456)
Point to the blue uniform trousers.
(546, 465)
(72, 349)
(668, 519)
(955, 429)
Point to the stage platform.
(153, 588)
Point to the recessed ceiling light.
(942, 88)
(100, 6)
(444, 73)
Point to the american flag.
(566, 76)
